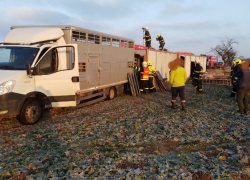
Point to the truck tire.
(31, 112)
(112, 93)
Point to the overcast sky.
(186, 25)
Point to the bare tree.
(226, 51)
(241, 57)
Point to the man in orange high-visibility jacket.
(144, 77)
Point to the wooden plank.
(158, 81)
(131, 85)
(162, 84)
(134, 77)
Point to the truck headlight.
(7, 87)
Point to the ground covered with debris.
(133, 138)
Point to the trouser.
(151, 84)
(161, 46)
(242, 98)
(144, 86)
(148, 44)
(234, 90)
(199, 86)
(178, 91)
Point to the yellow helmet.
(238, 61)
(234, 62)
(149, 63)
(159, 35)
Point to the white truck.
(60, 66)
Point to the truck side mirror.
(28, 70)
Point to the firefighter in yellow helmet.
(151, 77)
(238, 67)
(161, 41)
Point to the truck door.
(94, 71)
(56, 75)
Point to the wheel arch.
(37, 95)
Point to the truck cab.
(35, 67)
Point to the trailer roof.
(75, 28)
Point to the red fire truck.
(212, 61)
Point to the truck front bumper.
(10, 104)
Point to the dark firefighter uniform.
(144, 77)
(147, 39)
(234, 89)
(151, 77)
(161, 41)
(197, 77)
(237, 68)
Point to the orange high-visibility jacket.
(144, 72)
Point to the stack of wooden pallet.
(160, 81)
(133, 83)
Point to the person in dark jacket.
(161, 41)
(234, 88)
(243, 82)
(197, 77)
(152, 71)
(237, 68)
(147, 38)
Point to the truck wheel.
(112, 93)
(31, 112)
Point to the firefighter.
(161, 41)
(233, 93)
(244, 86)
(147, 38)
(151, 77)
(144, 72)
(238, 67)
(197, 75)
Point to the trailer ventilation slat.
(78, 36)
(82, 67)
(115, 42)
(131, 44)
(130, 64)
(106, 41)
(93, 39)
(124, 43)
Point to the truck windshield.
(16, 58)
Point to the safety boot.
(183, 106)
(173, 104)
